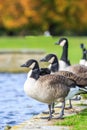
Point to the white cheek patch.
(49, 67)
(29, 74)
(32, 66)
(51, 60)
(63, 43)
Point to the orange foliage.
(16, 13)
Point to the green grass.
(76, 122)
(46, 44)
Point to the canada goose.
(48, 88)
(78, 73)
(52, 59)
(63, 62)
(83, 59)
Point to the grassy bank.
(76, 122)
(46, 44)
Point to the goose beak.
(43, 60)
(23, 65)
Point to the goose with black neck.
(64, 61)
(48, 88)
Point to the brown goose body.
(81, 79)
(77, 69)
(50, 88)
(83, 75)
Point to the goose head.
(62, 42)
(82, 45)
(53, 60)
(33, 65)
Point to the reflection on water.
(15, 106)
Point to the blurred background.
(27, 17)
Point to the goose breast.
(51, 88)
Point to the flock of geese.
(59, 82)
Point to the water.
(15, 106)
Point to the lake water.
(15, 106)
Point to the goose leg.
(62, 111)
(70, 104)
(52, 111)
(50, 114)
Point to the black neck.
(64, 56)
(54, 67)
(84, 55)
(35, 71)
(36, 66)
(35, 74)
(44, 71)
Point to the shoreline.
(10, 60)
(36, 123)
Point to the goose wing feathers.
(80, 79)
(54, 87)
(77, 69)
(56, 79)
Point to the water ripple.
(15, 106)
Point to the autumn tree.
(67, 16)
(59, 17)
